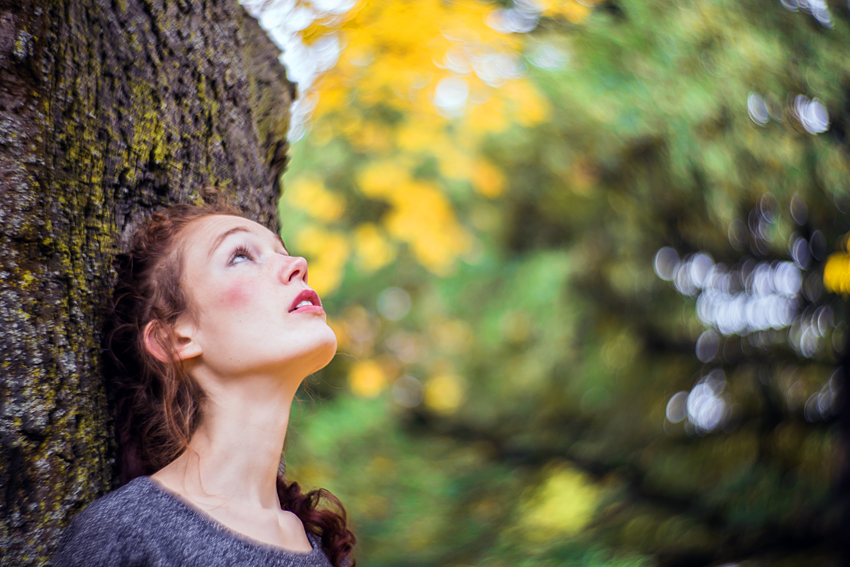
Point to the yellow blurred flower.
(423, 217)
(453, 163)
(382, 178)
(368, 135)
(420, 215)
(575, 12)
(490, 117)
(836, 273)
(310, 195)
(444, 393)
(530, 107)
(561, 506)
(397, 52)
(394, 57)
(420, 135)
(367, 379)
(487, 178)
(372, 249)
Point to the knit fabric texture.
(142, 525)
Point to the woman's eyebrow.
(220, 238)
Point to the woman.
(213, 329)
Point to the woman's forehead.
(207, 233)
(214, 225)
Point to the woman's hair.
(158, 404)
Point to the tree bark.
(108, 109)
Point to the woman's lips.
(310, 301)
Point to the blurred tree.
(108, 110)
(630, 353)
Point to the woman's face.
(253, 310)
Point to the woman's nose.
(294, 268)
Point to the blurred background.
(586, 264)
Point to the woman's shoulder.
(114, 525)
(140, 524)
(126, 505)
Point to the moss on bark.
(107, 110)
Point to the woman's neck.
(234, 456)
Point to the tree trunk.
(108, 108)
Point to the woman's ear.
(157, 341)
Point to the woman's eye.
(239, 255)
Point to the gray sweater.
(141, 525)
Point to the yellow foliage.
(372, 249)
(836, 273)
(574, 11)
(487, 178)
(366, 135)
(419, 135)
(367, 379)
(453, 163)
(397, 52)
(310, 195)
(489, 117)
(530, 107)
(420, 215)
(443, 393)
(381, 96)
(380, 179)
(333, 99)
(327, 252)
(423, 218)
(562, 506)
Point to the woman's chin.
(303, 356)
(326, 352)
(318, 354)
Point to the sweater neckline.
(240, 538)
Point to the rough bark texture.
(108, 108)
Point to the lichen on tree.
(107, 110)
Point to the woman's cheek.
(236, 295)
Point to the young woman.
(213, 329)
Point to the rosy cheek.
(235, 296)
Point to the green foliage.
(549, 357)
